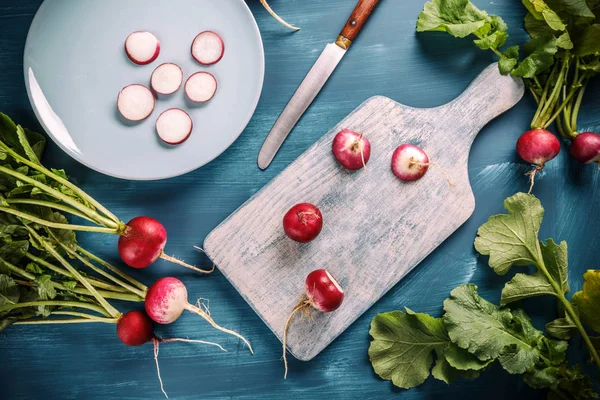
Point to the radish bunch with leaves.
(556, 64)
(473, 333)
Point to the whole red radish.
(142, 47)
(323, 293)
(143, 242)
(410, 163)
(134, 328)
(585, 148)
(166, 300)
(303, 222)
(537, 147)
(351, 149)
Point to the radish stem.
(58, 303)
(52, 251)
(86, 316)
(50, 204)
(112, 268)
(56, 225)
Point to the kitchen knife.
(314, 82)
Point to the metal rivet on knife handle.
(357, 19)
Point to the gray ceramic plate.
(75, 67)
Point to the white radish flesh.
(208, 48)
(166, 78)
(174, 126)
(142, 47)
(201, 87)
(135, 102)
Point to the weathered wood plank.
(376, 228)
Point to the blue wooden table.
(88, 362)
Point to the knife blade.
(314, 82)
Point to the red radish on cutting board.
(378, 229)
(166, 78)
(323, 293)
(208, 48)
(201, 87)
(174, 126)
(303, 222)
(142, 47)
(351, 149)
(135, 102)
(410, 163)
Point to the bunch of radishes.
(136, 102)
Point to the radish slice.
(208, 48)
(166, 78)
(142, 47)
(201, 87)
(174, 126)
(135, 102)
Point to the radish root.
(277, 17)
(183, 264)
(155, 342)
(302, 306)
(208, 318)
(439, 167)
(531, 175)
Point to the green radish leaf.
(444, 372)
(492, 41)
(12, 251)
(522, 286)
(459, 18)
(9, 291)
(6, 322)
(588, 42)
(29, 152)
(403, 346)
(541, 11)
(70, 285)
(556, 261)
(34, 268)
(564, 41)
(541, 51)
(587, 301)
(463, 360)
(577, 8)
(489, 332)
(577, 383)
(561, 328)
(509, 60)
(64, 236)
(511, 239)
(37, 142)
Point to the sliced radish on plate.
(142, 47)
(208, 48)
(174, 126)
(135, 102)
(201, 87)
(166, 78)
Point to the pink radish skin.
(409, 163)
(208, 48)
(537, 147)
(174, 126)
(201, 87)
(351, 149)
(135, 328)
(143, 242)
(142, 47)
(303, 222)
(166, 300)
(323, 293)
(585, 148)
(135, 102)
(166, 78)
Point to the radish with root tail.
(142, 240)
(410, 163)
(135, 102)
(303, 222)
(351, 149)
(277, 17)
(208, 48)
(166, 78)
(166, 300)
(142, 47)
(323, 293)
(174, 126)
(537, 147)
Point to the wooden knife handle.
(357, 20)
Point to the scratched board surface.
(388, 58)
(370, 217)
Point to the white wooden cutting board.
(375, 227)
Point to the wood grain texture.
(370, 217)
(359, 16)
(388, 58)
